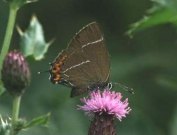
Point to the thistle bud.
(15, 73)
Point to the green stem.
(8, 34)
(15, 113)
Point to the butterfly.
(84, 65)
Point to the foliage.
(146, 62)
(163, 11)
(32, 40)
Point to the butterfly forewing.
(87, 34)
(96, 51)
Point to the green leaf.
(19, 3)
(162, 12)
(41, 120)
(32, 40)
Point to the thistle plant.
(14, 70)
(15, 77)
(104, 106)
(14, 6)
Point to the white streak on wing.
(71, 84)
(77, 65)
(90, 43)
(66, 75)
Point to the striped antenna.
(125, 88)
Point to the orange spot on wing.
(56, 69)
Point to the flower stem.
(102, 125)
(15, 113)
(8, 34)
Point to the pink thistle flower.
(107, 102)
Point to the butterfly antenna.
(126, 88)
(46, 71)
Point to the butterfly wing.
(97, 52)
(85, 62)
(88, 59)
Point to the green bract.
(4, 126)
(32, 40)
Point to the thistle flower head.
(107, 102)
(15, 73)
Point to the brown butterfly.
(84, 65)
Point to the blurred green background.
(147, 62)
